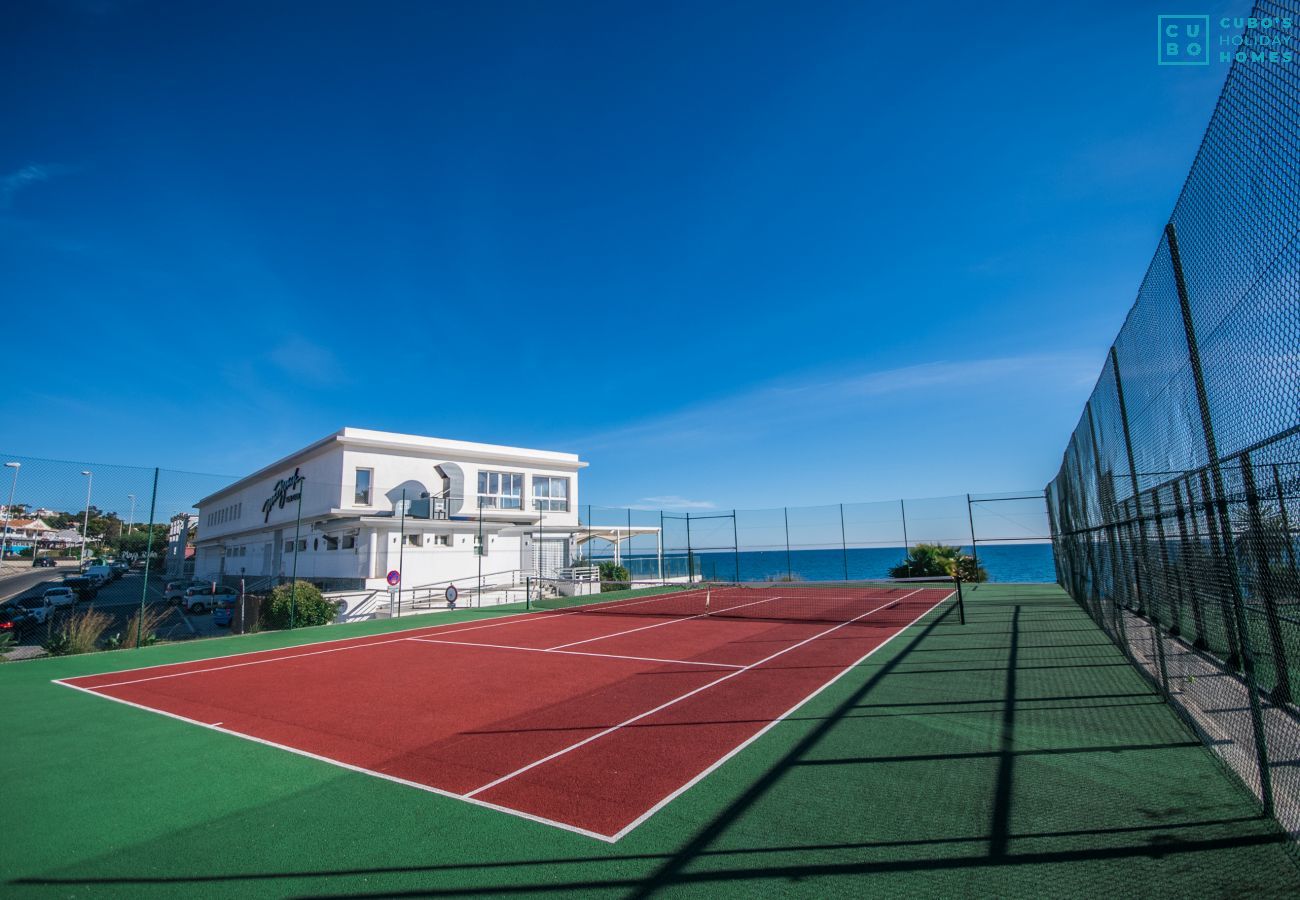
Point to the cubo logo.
(1183, 41)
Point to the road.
(119, 599)
(16, 580)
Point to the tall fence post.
(662, 580)
(148, 557)
(690, 556)
(844, 544)
(1286, 525)
(297, 536)
(735, 543)
(1258, 546)
(1186, 554)
(789, 569)
(974, 549)
(1220, 500)
(902, 509)
(1143, 549)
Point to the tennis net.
(819, 601)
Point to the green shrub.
(80, 634)
(614, 577)
(938, 561)
(306, 605)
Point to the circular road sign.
(394, 577)
(452, 594)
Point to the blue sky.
(734, 254)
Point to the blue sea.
(1004, 563)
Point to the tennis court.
(588, 718)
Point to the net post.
(961, 603)
(528, 592)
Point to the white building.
(179, 547)
(358, 504)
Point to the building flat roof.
(369, 439)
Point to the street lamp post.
(85, 521)
(9, 510)
(130, 525)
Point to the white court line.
(360, 642)
(680, 662)
(349, 766)
(691, 693)
(768, 727)
(610, 839)
(658, 624)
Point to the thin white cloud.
(779, 406)
(35, 173)
(673, 501)
(307, 361)
(14, 182)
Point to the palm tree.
(938, 561)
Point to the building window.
(364, 478)
(414, 540)
(288, 546)
(331, 543)
(442, 540)
(500, 490)
(302, 546)
(349, 542)
(478, 545)
(550, 493)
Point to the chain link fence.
(130, 542)
(1175, 511)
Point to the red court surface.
(588, 722)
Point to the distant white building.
(358, 504)
(180, 549)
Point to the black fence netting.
(1177, 505)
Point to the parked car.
(39, 608)
(15, 621)
(43, 562)
(103, 572)
(175, 590)
(224, 612)
(207, 596)
(84, 588)
(120, 568)
(60, 595)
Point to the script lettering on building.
(287, 490)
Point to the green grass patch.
(1019, 755)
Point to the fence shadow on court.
(996, 779)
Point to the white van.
(103, 573)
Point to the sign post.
(394, 592)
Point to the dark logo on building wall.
(287, 490)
